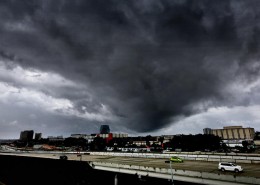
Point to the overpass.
(153, 165)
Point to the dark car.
(63, 157)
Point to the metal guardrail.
(198, 157)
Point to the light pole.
(171, 170)
(116, 180)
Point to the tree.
(257, 135)
(98, 144)
(197, 142)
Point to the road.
(250, 170)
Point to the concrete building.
(26, 135)
(235, 133)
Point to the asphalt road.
(252, 170)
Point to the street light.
(171, 170)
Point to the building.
(207, 131)
(77, 136)
(166, 138)
(104, 129)
(26, 135)
(38, 136)
(113, 135)
(110, 136)
(234, 133)
(56, 138)
(89, 138)
(144, 141)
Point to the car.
(176, 159)
(167, 150)
(63, 157)
(110, 149)
(136, 150)
(125, 150)
(228, 166)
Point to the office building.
(104, 129)
(26, 135)
(38, 136)
(235, 133)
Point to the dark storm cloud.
(148, 61)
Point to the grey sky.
(141, 66)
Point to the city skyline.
(142, 67)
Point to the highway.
(212, 167)
(250, 170)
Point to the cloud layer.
(137, 65)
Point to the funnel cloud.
(139, 66)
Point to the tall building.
(235, 133)
(26, 135)
(104, 129)
(38, 136)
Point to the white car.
(227, 166)
(125, 150)
(110, 149)
(167, 150)
(136, 150)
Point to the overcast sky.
(141, 66)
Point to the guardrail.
(180, 175)
(251, 159)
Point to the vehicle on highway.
(167, 150)
(110, 149)
(176, 159)
(227, 166)
(124, 150)
(63, 157)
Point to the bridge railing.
(180, 175)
